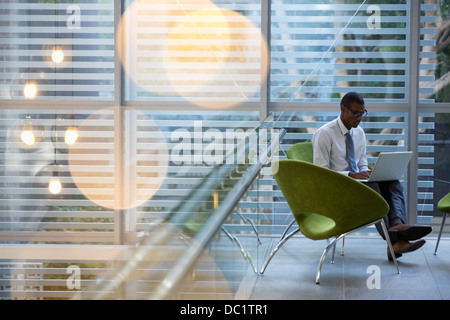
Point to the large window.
(324, 49)
(197, 51)
(434, 117)
(221, 55)
(108, 108)
(434, 165)
(435, 52)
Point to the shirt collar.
(341, 125)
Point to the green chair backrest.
(302, 151)
(326, 203)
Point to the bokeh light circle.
(207, 55)
(95, 169)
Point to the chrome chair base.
(284, 237)
(332, 244)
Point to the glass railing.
(201, 235)
(208, 247)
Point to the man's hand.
(360, 175)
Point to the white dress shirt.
(329, 147)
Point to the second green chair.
(444, 207)
(302, 151)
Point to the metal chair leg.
(319, 268)
(333, 244)
(277, 247)
(440, 233)
(334, 250)
(388, 240)
(332, 256)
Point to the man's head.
(352, 109)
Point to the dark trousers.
(392, 192)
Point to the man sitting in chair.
(330, 151)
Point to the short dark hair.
(352, 97)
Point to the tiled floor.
(291, 273)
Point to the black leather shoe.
(408, 232)
(402, 246)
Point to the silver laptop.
(390, 166)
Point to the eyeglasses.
(357, 114)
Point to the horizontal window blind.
(36, 147)
(165, 157)
(200, 51)
(42, 154)
(426, 171)
(195, 145)
(428, 57)
(433, 174)
(65, 176)
(320, 51)
(57, 50)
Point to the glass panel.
(178, 173)
(196, 50)
(434, 165)
(435, 55)
(229, 263)
(67, 178)
(57, 49)
(320, 50)
(55, 167)
(176, 152)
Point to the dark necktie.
(350, 152)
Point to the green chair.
(326, 205)
(444, 207)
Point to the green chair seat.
(316, 226)
(443, 206)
